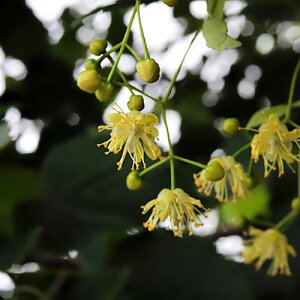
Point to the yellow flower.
(269, 244)
(234, 177)
(134, 133)
(179, 207)
(274, 143)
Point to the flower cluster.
(181, 209)
(269, 244)
(274, 142)
(134, 133)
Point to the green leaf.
(14, 251)
(250, 207)
(4, 138)
(16, 185)
(262, 115)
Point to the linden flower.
(274, 143)
(134, 133)
(234, 177)
(269, 244)
(179, 207)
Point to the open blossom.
(274, 143)
(269, 244)
(179, 207)
(134, 133)
(234, 178)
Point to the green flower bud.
(97, 47)
(106, 91)
(214, 171)
(134, 181)
(88, 81)
(231, 126)
(251, 182)
(136, 102)
(296, 205)
(92, 64)
(171, 3)
(148, 70)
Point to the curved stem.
(241, 150)
(110, 51)
(294, 124)
(286, 221)
(190, 162)
(171, 152)
(124, 41)
(121, 75)
(131, 50)
(30, 290)
(291, 94)
(172, 83)
(146, 52)
(154, 166)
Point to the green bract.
(97, 47)
(88, 81)
(134, 181)
(136, 102)
(148, 70)
(106, 91)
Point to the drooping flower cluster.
(181, 209)
(274, 142)
(134, 133)
(269, 244)
(234, 178)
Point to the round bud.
(231, 126)
(97, 47)
(88, 81)
(134, 181)
(214, 171)
(296, 205)
(92, 64)
(105, 91)
(251, 182)
(171, 3)
(148, 70)
(136, 102)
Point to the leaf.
(262, 115)
(14, 251)
(215, 34)
(4, 138)
(16, 185)
(250, 207)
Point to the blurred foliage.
(68, 195)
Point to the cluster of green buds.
(89, 80)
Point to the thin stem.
(146, 52)
(171, 152)
(30, 290)
(119, 83)
(56, 285)
(250, 166)
(124, 41)
(110, 51)
(291, 94)
(241, 150)
(172, 83)
(121, 75)
(154, 166)
(137, 57)
(294, 124)
(286, 221)
(263, 222)
(191, 162)
(247, 135)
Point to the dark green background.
(68, 195)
